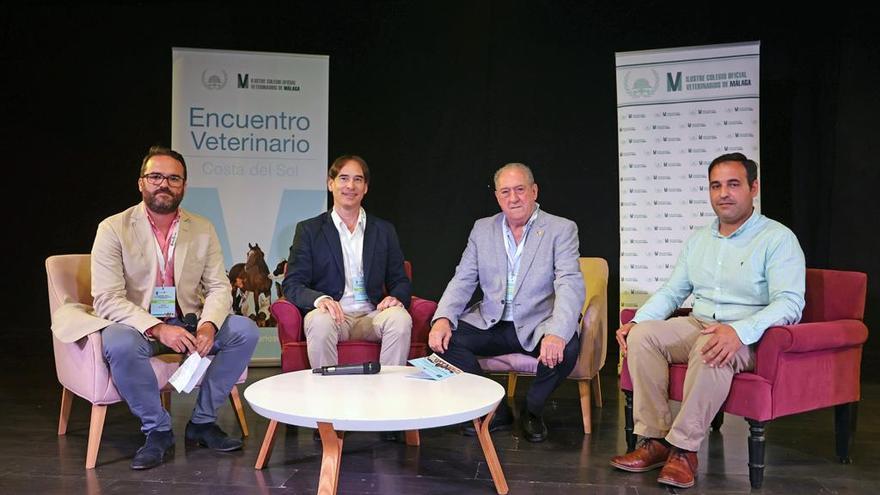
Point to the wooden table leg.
(331, 440)
(482, 427)
(412, 438)
(268, 442)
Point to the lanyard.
(170, 240)
(513, 260)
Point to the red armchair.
(798, 368)
(294, 355)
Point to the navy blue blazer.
(315, 267)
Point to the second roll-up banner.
(677, 109)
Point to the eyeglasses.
(156, 179)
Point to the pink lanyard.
(165, 251)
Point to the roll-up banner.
(677, 109)
(253, 129)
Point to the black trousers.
(468, 342)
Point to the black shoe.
(210, 435)
(533, 426)
(158, 445)
(501, 421)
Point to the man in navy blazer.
(525, 261)
(341, 263)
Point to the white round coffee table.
(387, 401)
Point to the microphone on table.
(368, 368)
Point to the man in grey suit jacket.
(525, 261)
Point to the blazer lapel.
(369, 247)
(500, 251)
(533, 242)
(181, 245)
(332, 237)
(143, 236)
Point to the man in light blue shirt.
(746, 273)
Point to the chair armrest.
(804, 338)
(422, 312)
(81, 368)
(290, 328)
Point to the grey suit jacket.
(549, 292)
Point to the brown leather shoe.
(680, 470)
(649, 454)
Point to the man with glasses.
(342, 263)
(154, 267)
(525, 261)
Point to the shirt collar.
(742, 228)
(340, 224)
(528, 225)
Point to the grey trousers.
(129, 353)
(393, 327)
(652, 346)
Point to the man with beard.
(151, 265)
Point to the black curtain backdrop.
(436, 96)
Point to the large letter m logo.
(671, 84)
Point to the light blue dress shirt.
(751, 280)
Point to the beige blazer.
(124, 266)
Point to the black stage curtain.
(435, 95)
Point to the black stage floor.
(33, 459)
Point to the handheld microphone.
(190, 322)
(368, 368)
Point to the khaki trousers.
(651, 347)
(392, 326)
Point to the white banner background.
(253, 129)
(677, 109)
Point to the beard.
(162, 205)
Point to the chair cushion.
(520, 363)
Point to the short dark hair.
(750, 165)
(340, 162)
(159, 150)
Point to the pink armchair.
(80, 365)
(811, 365)
(294, 355)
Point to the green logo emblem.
(641, 83)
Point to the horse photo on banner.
(253, 129)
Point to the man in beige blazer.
(155, 266)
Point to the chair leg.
(96, 427)
(597, 390)
(845, 417)
(629, 425)
(584, 389)
(717, 421)
(235, 399)
(66, 404)
(511, 384)
(165, 397)
(756, 452)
